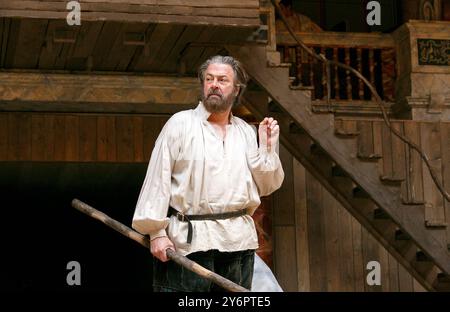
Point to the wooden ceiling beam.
(222, 12)
(64, 92)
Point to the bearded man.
(204, 181)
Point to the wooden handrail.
(338, 39)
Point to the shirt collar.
(204, 114)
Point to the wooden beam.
(86, 6)
(231, 13)
(60, 92)
(329, 39)
(165, 3)
(193, 3)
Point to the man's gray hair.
(240, 75)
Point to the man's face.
(219, 91)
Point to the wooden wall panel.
(59, 127)
(49, 137)
(431, 146)
(301, 226)
(393, 274)
(88, 138)
(150, 134)
(332, 250)
(384, 264)
(405, 280)
(359, 269)
(125, 139)
(317, 252)
(445, 144)
(398, 157)
(284, 197)
(346, 267)
(138, 138)
(388, 170)
(263, 223)
(19, 136)
(414, 168)
(3, 136)
(37, 137)
(285, 255)
(77, 137)
(71, 137)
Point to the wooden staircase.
(334, 158)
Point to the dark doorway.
(41, 233)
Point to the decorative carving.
(427, 11)
(434, 52)
(430, 10)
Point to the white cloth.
(263, 278)
(195, 171)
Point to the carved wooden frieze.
(434, 52)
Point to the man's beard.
(217, 104)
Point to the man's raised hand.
(268, 132)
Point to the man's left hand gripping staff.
(158, 247)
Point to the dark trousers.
(236, 266)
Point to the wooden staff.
(144, 241)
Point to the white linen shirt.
(195, 171)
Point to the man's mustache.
(214, 92)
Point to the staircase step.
(442, 282)
(386, 228)
(443, 278)
(401, 236)
(392, 180)
(360, 193)
(305, 88)
(294, 128)
(274, 107)
(272, 64)
(435, 224)
(316, 149)
(337, 171)
(346, 134)
(421, 256)
(413, 203)
(380, 214)
(370, 157)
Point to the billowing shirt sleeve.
(150, 216)
(266, 168)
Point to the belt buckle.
(180, 216)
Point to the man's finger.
(163, 256)
(264, 121)
(273, 124)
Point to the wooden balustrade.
(371, 54)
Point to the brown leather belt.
(214, 216)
